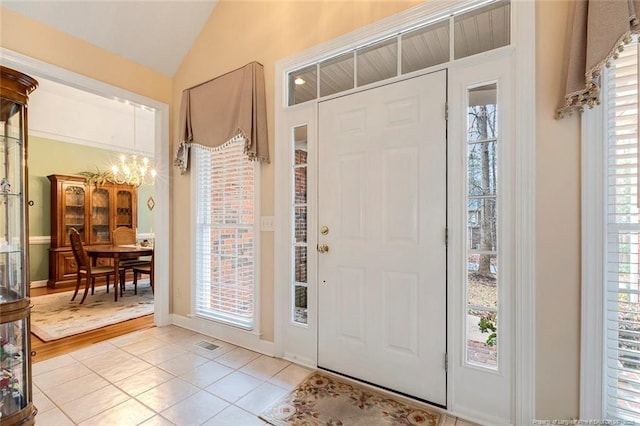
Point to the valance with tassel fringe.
(600, 30)
(227, 107)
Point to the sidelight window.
(482, 333)
(300, 208)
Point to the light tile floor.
(159, 376)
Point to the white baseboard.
(305, 362)
(36, 284)
(233, 335)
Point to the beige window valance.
(600, 30)
(215, 112)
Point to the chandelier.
(133, 171)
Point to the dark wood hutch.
(95, 210)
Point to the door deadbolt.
(324, 230)
(323, 248)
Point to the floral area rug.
(324, 400)
(55, 316)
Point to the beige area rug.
(324, 400)
(54, 316)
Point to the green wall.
(47, 157)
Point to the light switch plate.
(266, 223)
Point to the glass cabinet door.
(13, 383)
(12, 225)
(74, 210)
(100, 216)
(124, 208)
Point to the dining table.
(117, 253)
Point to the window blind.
(622, 316)
(225, 231)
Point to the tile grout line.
(237, 368)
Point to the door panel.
(401, 312)
(382, 195)
(353, 180)
(400, 175)
(350, 287)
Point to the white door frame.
(523, 207)
(37, 68)
(466, 377)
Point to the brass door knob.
(323, 248)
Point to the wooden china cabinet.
(95, 210)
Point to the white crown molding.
(38, 68)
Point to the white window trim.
(523, 32)
(228, 319)
(295, 342)
(523, 37)
(594, 169)
(250, 339)
(217, 323)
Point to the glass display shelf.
(10, 158)
(7, 295)
(11, 231)
(12, 367)
(9, 139)
(11, 273)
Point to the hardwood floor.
(46, 350)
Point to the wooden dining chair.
(85, 269)
(143, 269)
(123, 235)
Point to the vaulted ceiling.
(156, 34)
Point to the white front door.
(382, 216)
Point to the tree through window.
(482, 196)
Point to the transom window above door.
(454, 36)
